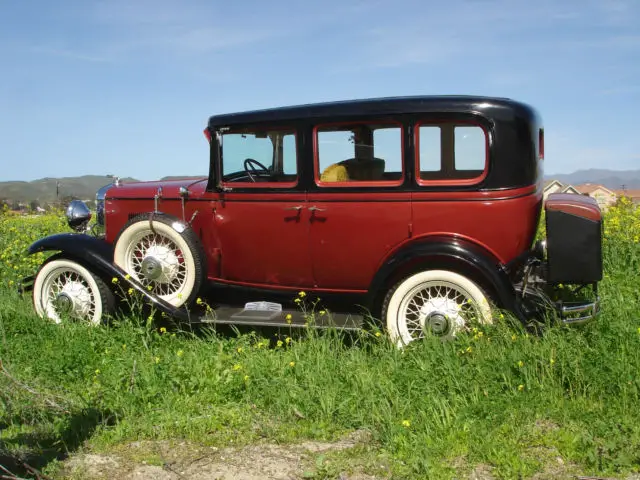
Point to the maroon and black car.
(421, 211)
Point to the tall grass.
(495, 396)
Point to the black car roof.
(485, 105)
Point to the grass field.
(555, 404)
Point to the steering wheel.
(250, 166)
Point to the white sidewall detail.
(134, 233)
(41, 286)
(396, 323)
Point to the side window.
(258, 156)
(363, 152)
(451, 153)
(470, 150)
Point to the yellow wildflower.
(288, 317)
(246, 377)
(520, 387)
(114, 280)
(199, 301)
(239, 349)
(520, 363)
(130, 291)
(302, 294)
(127, 276)
(163, 330)
(292, 364)
(378, 334)
(237, 366)
(406, 423)
(279, 343)
(180, 353)
(157, 359)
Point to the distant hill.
(44, 190)
(612, 179)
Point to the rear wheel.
(433, 302)
(64, 288)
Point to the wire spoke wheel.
(64, 289)
(437, 302)
(162, 255)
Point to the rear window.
(451, 153)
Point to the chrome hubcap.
(63, 303)
(437, 323)
(71, 297)
(160, 264)
(151, 268)
(437, 308)
(440, 316)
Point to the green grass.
(495, 397)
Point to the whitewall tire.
(164, 255)
(64, 288)
(433, 302)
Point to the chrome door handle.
(316, 209)
(297, 207)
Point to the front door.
(260, 216)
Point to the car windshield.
(262, 153)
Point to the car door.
(358, 210)
(260, 215)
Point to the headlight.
(78, 215)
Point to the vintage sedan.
(420, 212)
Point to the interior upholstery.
(354, 169)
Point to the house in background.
(603, 195)
(555, 186)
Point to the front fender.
(97, 255)
(448, 253)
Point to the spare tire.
(164, 254)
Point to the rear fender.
(449, 253)
(97, 255)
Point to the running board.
(227, 315)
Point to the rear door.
(358, 208)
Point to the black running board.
(228, 315)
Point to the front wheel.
(65, 288)
(435, 302)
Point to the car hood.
(170, 188)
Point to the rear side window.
(450, 153)
(359, 154)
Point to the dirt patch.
(167, 460)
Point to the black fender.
(97, 255)
(450, 253)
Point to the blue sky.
(125, 87)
